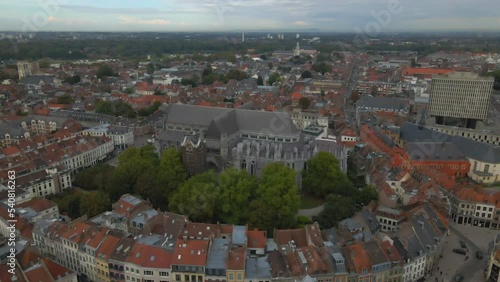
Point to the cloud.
(132, 20)
(334, 15)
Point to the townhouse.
(103, 255)
(148, 263)
(189, 260)
(37, 209)
(117, 260)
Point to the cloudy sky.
(220, 15)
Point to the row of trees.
(115, 108)
(323, 178)
(235, 197)
(232, 197)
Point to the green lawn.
(309, 202)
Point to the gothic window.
(244, 165)
(252, 168)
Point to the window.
(231, 276)
(148, 272)
(239, 276)
(163, 273)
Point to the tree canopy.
(65, 99)
(197, 197)
(105, 71)
(304, 103)
(274, 77)
(337, 208)
(277, 199)
(306, 74)
(323, 176)
(236, 189)
(322, 67)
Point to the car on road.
(459, 251)
(479, 255)
(459, 277)
(462, 244)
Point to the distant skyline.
(230, 15)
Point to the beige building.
(460, 99)
(109, 244)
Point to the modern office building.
(460, 99)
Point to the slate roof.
(217, 254)
(476, 150)
(248, 121)
(434, 151)
(193, 115)
(396, 104)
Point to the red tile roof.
(360, 258)
(425, 71)
(150, 256)
(107, 247)
(38, 204)
(236, 259)
(56, 270)
(190, 252)
(38, 273)
(256, 239)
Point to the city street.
(451, 263)
(349, 109)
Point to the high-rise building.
(460, 99)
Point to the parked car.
(459, 251)
(459, 277)
(479, 255)
(462, 244)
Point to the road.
(452, 264)
(349, 109)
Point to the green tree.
(274, 77)
(94, 178)
(150, 68)
(260, 80)
(65, 99)
(277, 199)
(171, 173)
(337, 208)
(149, 188)
(104, 107)
(366, 195)
(129, 90)
(197, 197)
(236, 189)
(94, 203)
(304, 103)
(132, 163)
(236, 74)
(73, 79)
(322, 68)
(44, 64)
(306, 74)
(323, 176)
(105, 71)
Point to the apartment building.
(460, 98)
(189, 260)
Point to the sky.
(371, 16)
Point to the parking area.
(475, 239)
